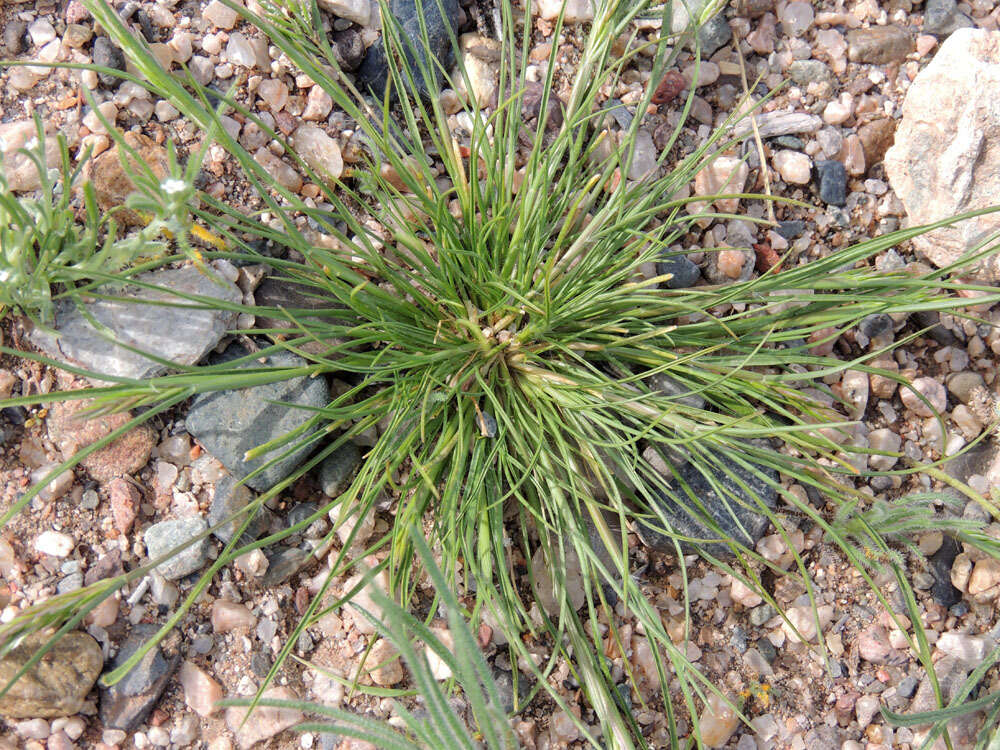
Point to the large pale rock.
(57, 684)
(177, 334)
(946, 157)
(19, 171)
(264, 722)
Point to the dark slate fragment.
(831, 178)
(685, 272)
(126, 704)
(942, 590)
(107, 55)
(743, 521)
(230, 498)
(337, 469)
(373, 74)
(229, 423)
(714, 34)
(791, 229)
(282, 564)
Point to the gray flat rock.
(740, 519)
(161, 538)
(127, 703)
(229, 423)
(177, 334)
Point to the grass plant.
(495, 318)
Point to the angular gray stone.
(337, 469)
(282, 564)
(373, 73)
(230, 423)
(289, 296)
(58, 684)
(740, 519)
(941, 18)
(880, 45)
(127, 703)
(177, 334)
(946, 158)
(161, 538)
(230, 498)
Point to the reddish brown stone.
(71, 432)
(876, 138)
(112, 184)
(125, 499)
(672, 84)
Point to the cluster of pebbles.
(824, 139)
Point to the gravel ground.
(847, 92)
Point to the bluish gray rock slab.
(180, 335)
(127, 703)
(230, 423)
(743, 521)
(161, 538)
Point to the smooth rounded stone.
(76, 35)
(264, 722)
(753, 8)
(58, 684)
(373, 72)
(107, 55)
(282, 172)
(836, 112)
(282, 564)
(943, 591)
(230, 498)
(319, 151)
(730, 264)
(685, 273)
(931, 390)
(162, 538)
(355, 11)
(942, 17)
(873, 645)
(126, 704)
(229, 423)
(880, 45)
(985, 578)
(54, 543)
(337, 469)
(33, 729)
(796, 17)
(221, 16)
(741, 521)
(707, 73)
(963, 385)
(227, 615)
(804, 72)
(883, 440)
(718, 722)
(383, 664)
(854, 390)
(794, 167)
(201, 691)
(479, 57)
(832, 181)
(318, 105)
